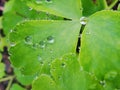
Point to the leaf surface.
(66, 75)
(100, 49)
(92, 6)
(39, 42)
(69, 9)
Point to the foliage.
(43, 36)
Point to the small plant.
(63, 44)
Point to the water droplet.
(28, 39)
(111, 75)
(22, 69)
(80, 36)
(11, 30)
(103, 83)
(35, 45)
(50, 39)
(42, 44)
(30, 8)
(41, 62)
(63, 65)
(59, 77)
(88, 33)
(39, 1)
(36, 77)
(83, 20)
(39, 58)
(12, 44)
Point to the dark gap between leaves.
(79, 39)
(2, 33)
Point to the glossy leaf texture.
(100, 49)
(35, 43)
(16, 11)
(66, 74)
(92, 6)
(69, 9)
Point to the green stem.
(105, 3)
(9, 84)
(112, 4)
(10, 78)
(6, 78)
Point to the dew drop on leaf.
(39, 58)
(41, 62)
(59, 77)
(88, 32)
(50, 39)
(63, 64)
(22, 69)
(111, 75)
(102, 83)
(12, 44)
(42, 44)
(28, 39)
(83, 20)
(36, 77)
(30, 8)
(35, 45)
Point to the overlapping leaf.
(92, 6)
(69, 9)
(66, 75)
(100, 50)
(16, 11)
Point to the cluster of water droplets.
(41, 44)
(42, 1)
(28, 40)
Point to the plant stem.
(10, 78)
(105, 3)
(9, 84)
(6, 78)
(112, 4)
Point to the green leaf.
(92, 6)
(67, 75)
(39, 42)
(100, 49)
(16, 87)
(2, 69)
(69, 9)
(16, 11)
(44, 82)
(24, 80)
(118, 7)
